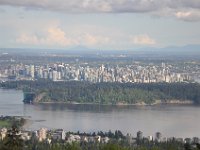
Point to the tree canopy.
(105, 93)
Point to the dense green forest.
(105, 93)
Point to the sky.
(99, 24)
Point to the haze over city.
(99, 24)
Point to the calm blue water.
(179, 121)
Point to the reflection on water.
(108, 108)
(182, 121)
(86, 107)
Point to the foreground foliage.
(118, 141)
(14, 143)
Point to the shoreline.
(157, 102)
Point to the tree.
(198, 146)
(187, 146)
(13, 140)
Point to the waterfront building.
(101, 73)
(150, 138)
(42, 134)
(139, 135)
(58, 134)
(25, 135)
(158, 136)
(188, 140)
(3, 133)
(196, 140)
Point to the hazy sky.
(99, 24)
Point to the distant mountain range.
(173, 49)
(188, 50)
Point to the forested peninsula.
(45, 91)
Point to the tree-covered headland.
(106, 93)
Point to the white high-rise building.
(32, 71)
(55, 75)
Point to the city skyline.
(108, 25)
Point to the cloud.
(188, 15)
(55, 36)
(89, 39)
(103, 5)
(143, 39)
(27, 39)
(112, 6)
(78, 6)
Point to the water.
(179, 121)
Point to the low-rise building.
(3, 133)
(42, 134)
(25, 135)
(58, 134)
(73, 138)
